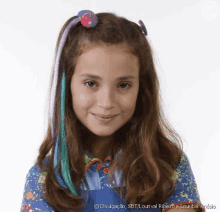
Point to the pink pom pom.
(88, 18)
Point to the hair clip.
(142, 26)
(88, 18)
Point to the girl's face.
(103, 92)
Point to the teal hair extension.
(64, 151)
(55, 162)
(67, 183)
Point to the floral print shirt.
(102, 197)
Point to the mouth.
(104, 120)
(104, 117)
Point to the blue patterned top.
(102, 197)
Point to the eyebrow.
(97, 77)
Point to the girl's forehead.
(110, 58)
(103, 51)
(100, 53)
(104, 57)
(86, 46)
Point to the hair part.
(150, 147)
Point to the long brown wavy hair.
(151, 149)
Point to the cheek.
(128, 102)
(80, 101)
(82, 97)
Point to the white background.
(185, 38)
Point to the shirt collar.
(89, 159)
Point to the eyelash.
(94, 82)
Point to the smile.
(104, 120)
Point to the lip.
(103, 120)
(104, 116)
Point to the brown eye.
(88, 82)
(126, 84)
(123, 83)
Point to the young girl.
(108, 145)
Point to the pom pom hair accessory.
(88, 19)
(142, 26)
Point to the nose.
(106, 98)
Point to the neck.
(101, 148)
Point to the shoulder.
(186, 191)
(35, 171)
(184, 168)
(183, 175)
(33, 195)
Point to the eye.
(125, 83)
(88, 83)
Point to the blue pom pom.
(143, 28)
